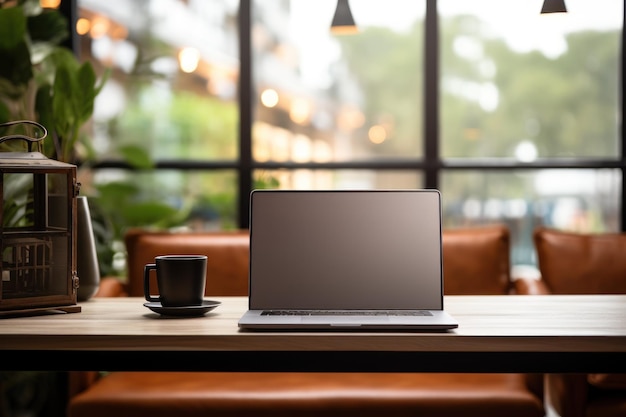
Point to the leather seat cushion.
(169, 394)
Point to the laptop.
(346, 259)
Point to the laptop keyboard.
(345, 313)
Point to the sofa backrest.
(577, 263)
(227, 253)
(475, 260)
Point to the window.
(515, 117)
(527, 93)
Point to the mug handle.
(146, 283)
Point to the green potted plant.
(43, 81)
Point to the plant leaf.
(86, 94)
(62, 57)
(50, 26)
(43, 110)
(115, 191)
(148, 213)
(12, 28)
(136, 156)
(43, 105)
(5, 113)
(16, 69)
(63, 102)
(15, 61)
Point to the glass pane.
(518, 84)
(306, 179)
(35, 233)
(35, 267)
(18, 202)
(325, 97)
(174, 73)
(566, 199)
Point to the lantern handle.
(28, 139)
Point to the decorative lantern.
(38, 231)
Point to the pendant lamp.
(553, 6)
(343, 22)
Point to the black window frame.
(431, 165)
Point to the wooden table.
(556, 333)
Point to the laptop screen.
(374, 249)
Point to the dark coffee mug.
(181, 280)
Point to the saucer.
(184, 311)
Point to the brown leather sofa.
(575, 263)
(476, 261)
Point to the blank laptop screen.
(345, 250)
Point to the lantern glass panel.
(36, 220)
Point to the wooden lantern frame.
(37, 232)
